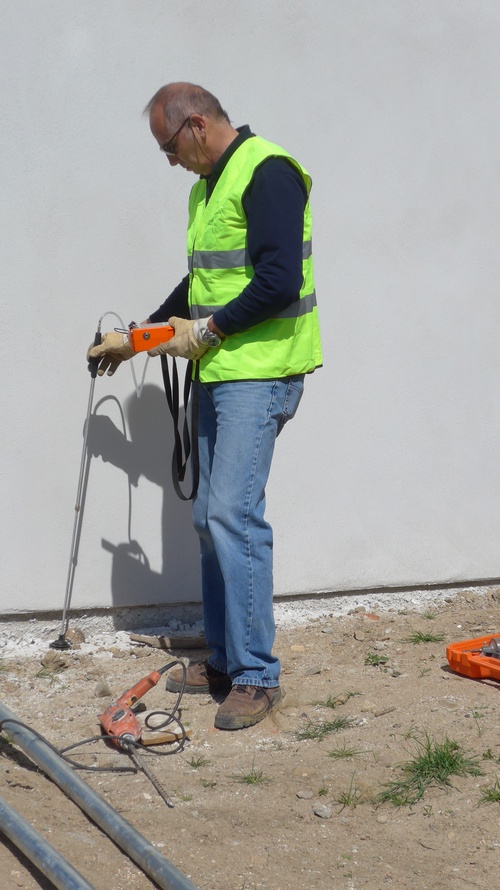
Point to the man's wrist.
(206, 334)
(214, 329)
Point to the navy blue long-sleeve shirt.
(274, 206)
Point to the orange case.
(149, 336)
(466, 658)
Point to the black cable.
(187, 444)
(94, 769)
(60, 752)
(170, 715)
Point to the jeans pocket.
(293, 395)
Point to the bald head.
(190, 126)
(180, 100)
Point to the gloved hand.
(184, 343)
(112, 351)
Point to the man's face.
(186, 144)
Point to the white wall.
(389, 475)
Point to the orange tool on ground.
(120, 724)
(119, 721)
(144, 337)
(478, 658)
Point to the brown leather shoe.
(201, 677)
(246, 705)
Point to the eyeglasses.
(169, 148)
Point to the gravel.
(33, 635)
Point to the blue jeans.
(238, 425)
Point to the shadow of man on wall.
(147, 452)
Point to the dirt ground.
(267, 808)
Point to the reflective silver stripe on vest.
(230, 259)
(295, 310)
(219, 259)
(300, 307)
(203, 311)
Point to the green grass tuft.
(333, 701)
(320, 730)
(491, 795)
(198, 762)
(419, 637)
(351, 797)
(253, 777)
(434, 764)
(344, 752)
(373, 659)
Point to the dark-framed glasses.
(169, 148)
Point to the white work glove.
(111, 352)
(185, 342)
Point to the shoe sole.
(243, 721)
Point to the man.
(247, 313)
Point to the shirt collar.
(244, 133)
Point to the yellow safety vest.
(220, 268)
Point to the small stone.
(75, 636)
(381, 711)
(142, 652)
(311, 670)
(116, 652)
(103, 689)
(55, 659)
(306, 794)
(322, 810)
(382, 818)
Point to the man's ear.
(197, 122)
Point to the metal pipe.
(153, 863)
(39, 851)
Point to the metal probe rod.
(61, 642)
(158, 867)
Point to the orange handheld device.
(478, 658)
(118, 721)
(144, 337)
